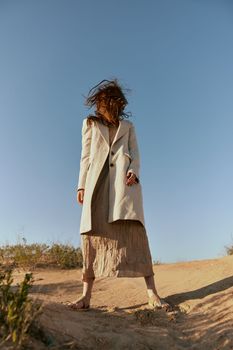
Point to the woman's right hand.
(80, 196)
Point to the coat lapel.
(121, 130)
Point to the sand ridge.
(200, 291)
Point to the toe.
(166, 306)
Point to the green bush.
(17, 310)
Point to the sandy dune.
(201, 292)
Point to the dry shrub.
(23, 255)
(65, 256)
(229, 250)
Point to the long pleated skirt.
(120, 248)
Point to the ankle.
(152, 294)
(86, 295)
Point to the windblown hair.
(112, 93)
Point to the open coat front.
(125, 202)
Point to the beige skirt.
(120, 248)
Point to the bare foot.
(155, 302)
(82, 303)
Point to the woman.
(113, 235)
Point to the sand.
(200, 291)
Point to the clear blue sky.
(176, 57)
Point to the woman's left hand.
(131, 179)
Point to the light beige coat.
(125, 202)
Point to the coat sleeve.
(85, 154)
(134, 152)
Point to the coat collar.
(121, 130)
